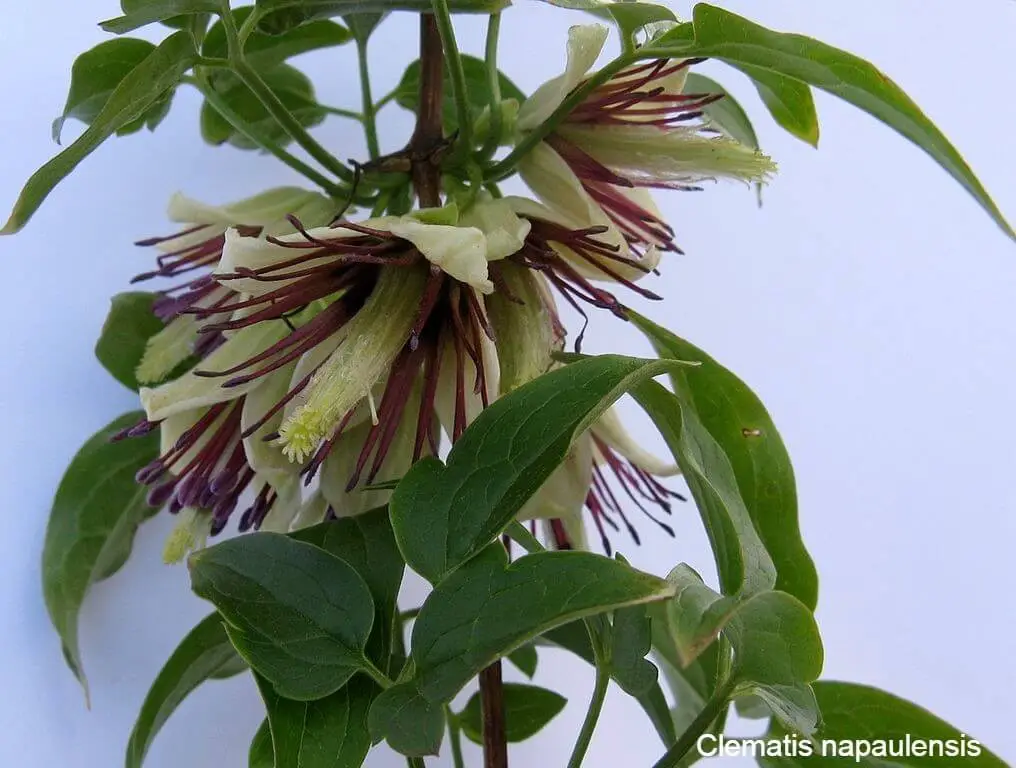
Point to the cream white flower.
(636, 131)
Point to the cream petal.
(287, 505)
(190, 534)
(681, 155)
(266, 458)
(461, 252)
(611, 431)
(248, 252)
(523, 326)
(167, 349)
(193, 391)
(548, 175)
(445, 396)
(585, 42)
(564, 493)
(375, 336)
(260, 210)
(505, 231)
(311, 512)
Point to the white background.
(869, 303)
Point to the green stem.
(387, 98)
(506, 167)
(340, 112)
(376, 674)
(699, 725)
(219, 105)
(458, 75)
(290, 124)
(592, 715)
(493, 88)
(249, 76)
(369, 124)
(409, 615)
(415, 762)
(455, 737)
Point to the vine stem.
(369, 123)
(250, 77)
(450, 46)
(428, 134)
(684, 744)
(493, 87)
(495, 736)
(220, 106)
(592, 715)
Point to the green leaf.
(298, 615)
(407, 92)
(139, 13)
(727, 114)
(719, 34)
(96, 74)
(789, 101)
(852, 713)
(266, 51)
(204, 654)
(487, 608)
(527, 709)
(525, 660)
(632, 17)
(793, 706)
(443, 515)
(128, 327)
(295, 91)
(362, 25)
(262, 751)
(96, 512)
(366, 543)
(407, 721)
(574, 637)
(143, 87)
(630, 641)
(278, 16)
(327, 733)
(744, 565)
(774, 637)
(742, 428)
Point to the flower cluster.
(329, 354)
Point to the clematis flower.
(205, 462)
(635, 132)
(195, 251)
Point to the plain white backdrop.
(869, 303)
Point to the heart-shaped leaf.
(443, 515)
(298, 615)
(407, 92)
(742, 428)
(407, 721)
(128, 327)
(527, 710)
(857, 715)
(525, 660)
(366, 542)
(720, 34)
(139, 13)
(204, 654)
(487, 608)
(327, 733)
(146, 85)
(266, 51)
(96, 512)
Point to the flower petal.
(193, 391)
(523, 326)
(447, 386)
(287, 505)
(375, 336)
(505, 231)
(459, 251)
(261, 210)
(611, 431)
(266, 458)
(563, 495)
(585, 42)
(676, 155)
(167, 349)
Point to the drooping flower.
(636, 131)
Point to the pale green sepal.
(167, 349)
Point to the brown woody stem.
(495, 739)
(428, 137)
